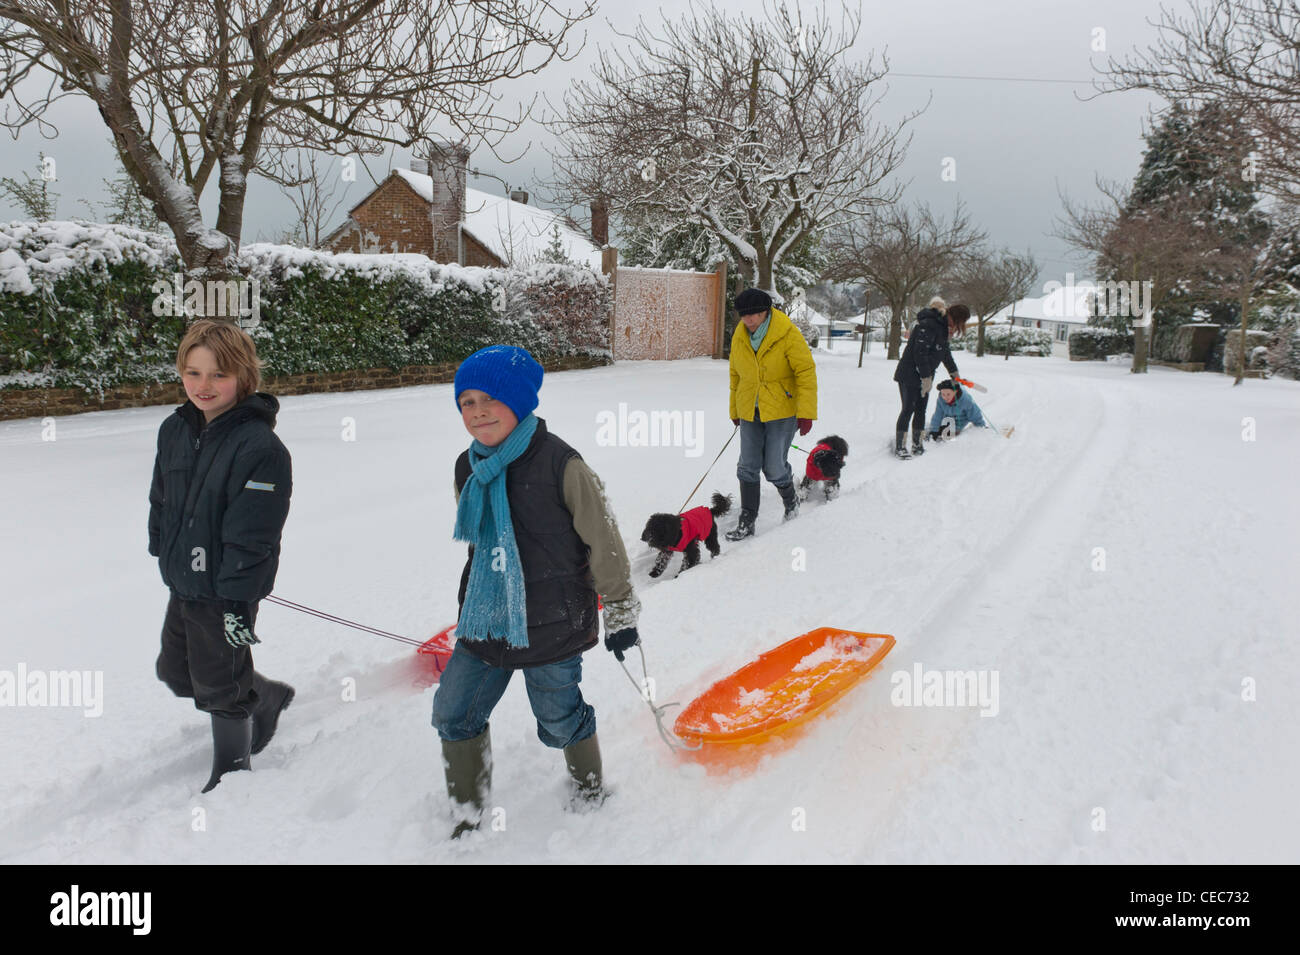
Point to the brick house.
(428, 209)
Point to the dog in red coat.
(825, 462)
(673, 533)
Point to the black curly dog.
(664, 533)
(830, 461)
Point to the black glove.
(239, 632)
(623, 640)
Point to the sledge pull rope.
(411, 641)
(643, 691)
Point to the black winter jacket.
(219, 500)
(927, 346)
(559, 591)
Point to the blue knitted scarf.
(495, 605)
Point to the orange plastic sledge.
(783, 687)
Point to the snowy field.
(1147, 706)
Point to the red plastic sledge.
(434, 653)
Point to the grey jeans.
(764, 446)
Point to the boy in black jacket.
(219, 499)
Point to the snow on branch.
(760, 128)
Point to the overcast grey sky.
(1016, 144)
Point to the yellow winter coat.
(781, 374)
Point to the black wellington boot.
(790, 499)
(272, 699)
(917, 448)
(231, 742)
(749, 495)
(900, 445)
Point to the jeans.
(765, 446)
(470, 689)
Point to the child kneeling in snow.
(219, 499)
(954, 410)
(543, 544)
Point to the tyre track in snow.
(892, 748)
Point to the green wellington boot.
(468, 766)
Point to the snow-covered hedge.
(1096, 343)
(1024, 341)
(78, 308)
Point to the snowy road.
(1146, 707)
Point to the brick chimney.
(600, 222)
(446, 167)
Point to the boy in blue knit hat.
(542, 545)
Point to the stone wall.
(56, 402)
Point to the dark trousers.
(913, 405)
(196, 662)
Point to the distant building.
(428, 209)
(1059, 312)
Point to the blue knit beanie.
(507, 373)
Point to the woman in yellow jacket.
(773, 392)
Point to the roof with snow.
(1070, 303)
(515, 232)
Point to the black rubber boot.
(900, 445)
(231, 742)
(790, 499)
(917, 448)
(749, 495)
(272, 699)
(583, 762)
(468, 767)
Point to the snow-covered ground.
(1146, 712)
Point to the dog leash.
(703, 476)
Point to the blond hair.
(231, 347)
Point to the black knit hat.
(949, 384)
(752, 301)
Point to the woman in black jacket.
(927, 346)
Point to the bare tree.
(757, 129)
(1244, 54)
(226, 86)
(988, 283)
(310, 196)
(897, 252)
(1165, 244)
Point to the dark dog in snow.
(670, 533)
(825, 462)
